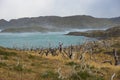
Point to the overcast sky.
(12, 9)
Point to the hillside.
(56, 23)
(111, 32)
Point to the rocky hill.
(56, 23)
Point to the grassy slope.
(111, 32)
(29, 65)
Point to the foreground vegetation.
(90, 61)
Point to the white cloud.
(23, 8)
(10, 9)
(73, 7)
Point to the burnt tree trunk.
(115, 57)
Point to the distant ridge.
(56, 23)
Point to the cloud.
(10, 9)
(73, 7)
(97, 8)
(23, 8)
(105, 8)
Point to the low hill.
(111, 32)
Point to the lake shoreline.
(99, 34)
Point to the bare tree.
(60, 46)
(116, 56)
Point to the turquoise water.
(38, 40)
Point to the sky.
(13, 9)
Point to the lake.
(38, 40)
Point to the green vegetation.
(31, 57)
(5, 57)
(50, 75)
(2, 64)
(118, 74)
(18, 68)
(5, 53)
(85, 76)
(71, 63)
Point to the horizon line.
(57, 16)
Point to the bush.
(75, 77)
(31, 57)
(48, 75)
(116, 45)
(118, 75)
(36, 64)
(71, 63)
(5, 57)
(84, 75)
(2, 64)
(18, 68)
(7, 53)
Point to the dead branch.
(107, 61)
(112, 77)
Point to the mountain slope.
(59, 23)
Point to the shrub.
(75, 77)
(18, 67)
(48, 75)
(7, 53)
(31, 57)
(71, 63)
(84, 75)
(2, 64)
(116, 45)
(5, 57)
(118, 74)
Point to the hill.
(111, 32)
(56, 23)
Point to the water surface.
(38, 40)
